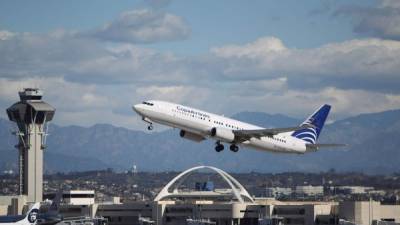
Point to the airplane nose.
(138, 108)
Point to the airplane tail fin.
(32, 215)
(317, 121)
(55, 204)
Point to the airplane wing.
(315, 147)
(247, 134)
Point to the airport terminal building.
(175, 206)
(234, 206)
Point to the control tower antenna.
(134, 169)
(31, 115)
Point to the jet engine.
(191, 136)
(223, 134)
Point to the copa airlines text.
(197, 125)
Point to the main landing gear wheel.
(234, 148)
(150, 127)
(219, 147)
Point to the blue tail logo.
(317, 120)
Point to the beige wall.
(12, 205)
(390, 211)
(364, 213)
(3, 210)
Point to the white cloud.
(261, 47)
(180, 94)
(144, 26)
(359, 64)
(390, 4)
(354, 102)
(78, 104)
(90, 81)
(129, 64)
(382, 20)
(301, 103)
(5, 35)
(65, 96)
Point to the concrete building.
(353, 189)
(309, 190)
(306, 212)
(235, 206)
(365, 212)
(278, 191)
(176, 204)
(12, 205)
(78, 197)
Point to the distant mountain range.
(373, 148)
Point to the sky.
(95, 59)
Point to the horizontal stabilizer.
(315, 147)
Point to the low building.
(12, 205)
(79, 197)
(176, 205)
(352, 189)
(309, 190)
(365, 212)
(234, 206)
(278, 191)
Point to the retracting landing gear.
(218, 146)
(234, 148)
(150, 127)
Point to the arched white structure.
(238, 191)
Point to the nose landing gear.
(150, 127)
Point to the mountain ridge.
(104, 145)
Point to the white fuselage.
(30, 218)
(22, 222)
(16, 220)
(200, 122)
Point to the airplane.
(52, 216)
(30, 218)
(197, 125)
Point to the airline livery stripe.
(302, 136)
(307, 139)
(313, 134)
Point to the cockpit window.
(148, 103)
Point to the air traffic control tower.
(31, 115)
